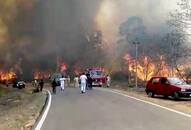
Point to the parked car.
(168, 87)
(19, 84)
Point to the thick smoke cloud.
(49, 30)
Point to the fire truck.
(98, 76)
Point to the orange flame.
(41, 75)
(63, 67)
(77, 71)
(7, 76)
(146, 68)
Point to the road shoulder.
(183, 105)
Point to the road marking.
(147, 102)
(38, 127)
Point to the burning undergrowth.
(7, 76)
(146, 67)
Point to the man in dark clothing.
(41, 84)
(89, 81)
(54, 84)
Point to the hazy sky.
(113, 12)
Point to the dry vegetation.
(19, 108)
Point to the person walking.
(83, 79)
(62, 83)
(54, 84)
(41, 84)
(89, 82)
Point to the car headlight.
(183, 90)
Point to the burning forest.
(148, 68)
(39, 38)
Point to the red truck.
(168, 86)
(98, 76)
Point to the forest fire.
(6, 76)
(41, 75)
(146, 68)
(62, 66)
(77, 71)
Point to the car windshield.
(96, 73)
(176, 81)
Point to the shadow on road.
(171, 99)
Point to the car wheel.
(150, 94)
(175, 95)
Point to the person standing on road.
(41, 84)
(54, 84)
(108, 78)
(76, 82)
(62, 83)
(36, 86)
(68, 81)
(83, 79)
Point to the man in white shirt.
(62, 83)
(83, 79)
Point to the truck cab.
(98, 76)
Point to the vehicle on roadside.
(98, 76)
(168, 86)
(19, 84)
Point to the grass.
(3, 90)
(19, 107)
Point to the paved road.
(101, 110)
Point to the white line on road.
(39, 125)
(147, 102)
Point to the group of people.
(59, 82)
(84, 82)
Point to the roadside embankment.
(20, 108)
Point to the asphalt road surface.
(102, 110)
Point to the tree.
(181, 17)
(133, 29)
(180, 23)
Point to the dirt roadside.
(183, 105)
(20, 108)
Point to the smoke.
(66, 25)
(153, 13)
(41, 32)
